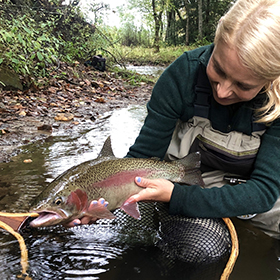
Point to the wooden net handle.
(234, 250)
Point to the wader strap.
(203, 92)
(257, 126)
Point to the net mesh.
(191, 240)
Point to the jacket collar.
(205, 56)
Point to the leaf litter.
(69, 97)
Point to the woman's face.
(231, 81)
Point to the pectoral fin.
(79, 199)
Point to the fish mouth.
(46, 218)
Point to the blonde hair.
(253, 28)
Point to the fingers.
(146, 194)
(73, 223)
(133, 199)
(142, 182)
(95, 205)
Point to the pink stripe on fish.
(122, 178)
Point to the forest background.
(36, 36)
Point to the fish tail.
(192, 174)
(191, 161)
(193, 178)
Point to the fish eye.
(58, 201)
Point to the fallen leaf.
(52, 89)
(100, 100)
(87, 82)
(97, 84)
(22, 113)
(71, 89)
(64, 117)
(3, 131)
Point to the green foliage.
(25, 47)
(180, 16)
(131, 35)
(31, 43)
(133, 78)
(37, 35)
(83, 48)
(202, 42)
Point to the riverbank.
(147, 56)
(72, 97)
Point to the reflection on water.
(100, 252)
(67, 150)
(70, 254)
(146, 69)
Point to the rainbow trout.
(68, 196)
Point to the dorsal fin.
(106, 150)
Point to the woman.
(227, 99)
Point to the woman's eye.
(242, 87)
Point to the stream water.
(83, 252)
(87, 252)
(146, 69)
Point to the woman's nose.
(224, 89)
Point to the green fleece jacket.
(173, 99)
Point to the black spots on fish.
(191, 172)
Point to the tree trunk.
(200, 19)
(187, 39)
(170, 28)
(157, 19)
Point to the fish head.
(59, 208)
(64, 200)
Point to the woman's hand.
(155, 189)
(95, 205)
